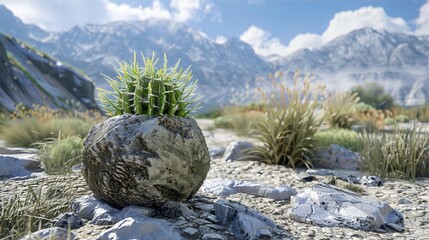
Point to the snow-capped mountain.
(31, 77)
(398, 61)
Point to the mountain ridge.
(396, 60)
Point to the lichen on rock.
(145, 160)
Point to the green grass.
(401, 154)
(28, 131)
(288, 128)
(59, 155)
(343, 137)
(32, 207)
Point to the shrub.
(374, 95)
(239, 120)
(340, 109)
(32, 207)
(24, 132)
(149, 90)
(288, 128)
(343, 137)
(28, 131)
(402, 119)
(389, 121)
(400, 154)
(58, 156)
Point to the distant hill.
(30, 77)
(397, 61)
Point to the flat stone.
(226, 187)
(18, 166)
(56, 233)
(212, 236)
(141, 228)
(336, 157)
(189, 232)
(100, 213)
(327, 205)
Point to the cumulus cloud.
(60, 15)
(422, 21)
(262, 42)
(342, 23)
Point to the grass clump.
(149, 90)
(401, 154)
(291, 121)
(340, 109)
(59, 155)
(32, 207)
(343, 137)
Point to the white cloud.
(262, 41)
(60, 15)
(342, 23)
(373, 17)
(422, 21)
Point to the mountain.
(398, 61)
(30, 77)
(222, 70)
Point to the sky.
(277, 27)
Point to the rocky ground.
(411, 199)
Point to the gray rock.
(234, 151)
(141, 228)
(212, 236)
(100, 213)
(216, 152)
(145, 160)
(19, 166)
(336, 157)
(56, 233)
(173, 210)
(243, 222)
(346, 175)
(370, 181)
(68, 220)
(327, 205)
(226, 187)
(190, 232)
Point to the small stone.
(189, 232)
(56, 233)
(235, 150)
(212, 236)
(395, 227)
(212, 218)
(68, 220)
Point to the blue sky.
(270, 26)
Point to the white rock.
(141, 228)
(327, 205)
(51, 233)
(226, 187)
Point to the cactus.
(150, 91)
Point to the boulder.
(336, 157)
(234, 151)
(226, 187)
(145, 160)
(327, 205)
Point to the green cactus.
(150, 91)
